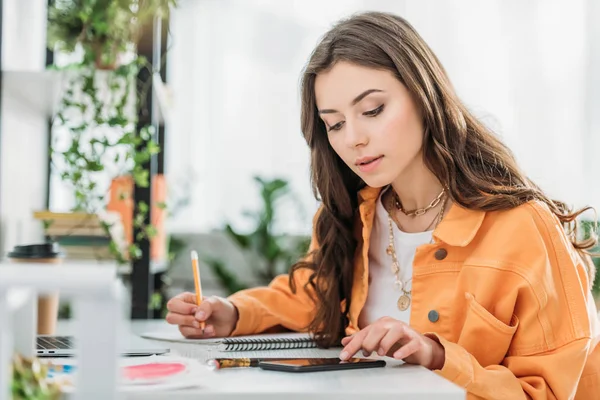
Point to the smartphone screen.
(319, 364)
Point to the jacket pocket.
(485, 336)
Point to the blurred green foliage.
(272, 253)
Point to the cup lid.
(33, 251)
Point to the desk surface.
(396, 381)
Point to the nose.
(355, 135)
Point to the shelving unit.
(1, 90)
(40, 92)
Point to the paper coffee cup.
(47, 253)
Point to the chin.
(377, 181)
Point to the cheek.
(403, 131)
(336, 143)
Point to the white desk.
(396, 381)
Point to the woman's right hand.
(219, 314)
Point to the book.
(63, 231)
(47, 215)
(76, 240)
(87, 252)
(82, 235)
(266, 341)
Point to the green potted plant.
(269, 253)
(105, 29)
(100, 104)
(587, 228)
(30, 380)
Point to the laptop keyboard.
(54, 342)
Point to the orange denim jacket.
(515, 314)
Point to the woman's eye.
(336, 127)
(374, 112)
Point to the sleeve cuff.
(246, 323)
(458, 367)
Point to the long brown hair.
(479, 170)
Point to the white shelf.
(125, 269)
(37, 90)
(155, 267)
(41, 90)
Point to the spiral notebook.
(269, 341)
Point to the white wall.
(592, 155)
(24, 34)
(23, 170)
(23, 143)
(235, 111)
(529, 69)
(522, 67)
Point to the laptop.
(65, 346)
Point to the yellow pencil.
(197, 283)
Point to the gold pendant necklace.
(404, 300)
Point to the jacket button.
(433, 316)
(440, 254)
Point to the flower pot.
(121, 201)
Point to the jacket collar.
(458, 228)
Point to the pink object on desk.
(151, 372)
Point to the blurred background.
(141, 130)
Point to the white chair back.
(96, 296)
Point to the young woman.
(431, 245)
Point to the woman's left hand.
(394, 338)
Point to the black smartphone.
(319, 364)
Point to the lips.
(367, 160)
(368, 165)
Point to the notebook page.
(205, 353)
(176, 336)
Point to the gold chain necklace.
(404, 300)
(419, 211)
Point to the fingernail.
(209, 329)
(201, 315)
(344, 355)
(366, 353)
(194, 310)
(380, 351)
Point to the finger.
(180, 319)
(355, 344)
(197, 333)
(372, 340)
(391, 339)
(188, 297)
(409, 349)
(346, 340)
(209, 331)
(191, 332)
(181, 304)
(209, 306)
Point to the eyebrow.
(354, 102)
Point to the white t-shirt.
(383, 295)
